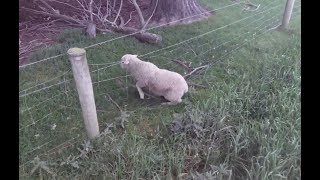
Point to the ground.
(245, 124)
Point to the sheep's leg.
(140, 92)
(138, 85)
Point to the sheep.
(161, 82)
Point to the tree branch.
(53, 14)
(195, 70)
(114, 102)
(115, 20)
(139, 13)
(182, 64)
(90, 10)
(128, 19)
(141, 36)
(147, 22)
(49, 7)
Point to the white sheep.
(161, 82)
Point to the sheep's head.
(125, 60)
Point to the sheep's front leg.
(139, 85)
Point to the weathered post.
(81, 74)
(286, 15)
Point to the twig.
(250, 5)
(195, 70)
(128, 19)
(50, 7)
(147, 22)
(54, 14)
(182, 64)
(114, 102)
(105, 30)
(66, 4)
(115, 20)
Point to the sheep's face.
(125, 60)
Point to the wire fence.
(49, 109)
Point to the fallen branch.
(49, 7)
(182, 64)
(195, 70)
(250, 5)
(114, 102)
(141, 36)
(64, 17)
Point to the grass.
(245, 125)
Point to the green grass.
(245, 125)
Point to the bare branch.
(84, 9)
(90, 10)
(115, 20)
(114, 4)
(50, 7)
(142, 22)
(114, 102)
(66, 4)
(154, 10)
(128, 19)
(195, 70)
(81, 5)
(182, 64)
(121, 21)
(105, 30)
(141, 36)
(64, 17)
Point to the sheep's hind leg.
(140, 92)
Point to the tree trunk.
(177, 12)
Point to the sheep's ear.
(135, 55)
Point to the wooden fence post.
(286, 15)
(81, 74)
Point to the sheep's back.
(164, 80)
(143, 70)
